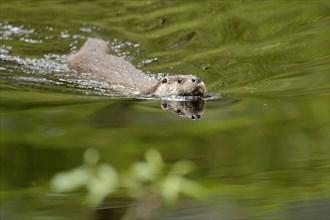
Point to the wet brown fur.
(92, 58)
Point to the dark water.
(261, 147)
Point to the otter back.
(116, 71)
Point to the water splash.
(8, 31)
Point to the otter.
(93, 59)
(189, 109)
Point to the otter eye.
(179, 80)
(193, 80)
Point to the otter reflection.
(190, 109)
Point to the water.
(261, 146)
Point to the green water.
(261, 146)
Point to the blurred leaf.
(170, 188)
(154, 160)
(91, 156)
(105, 183)
(143, 172)
(182, 167)
(70, 180)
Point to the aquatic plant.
(141, 180)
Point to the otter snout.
(195, 117)
(200, 86)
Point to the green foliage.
(143, 178)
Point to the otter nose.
(196, 80)
(195, 117)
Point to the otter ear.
(164, 105)
(164, 80)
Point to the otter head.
(190, 109)
(181, 85)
